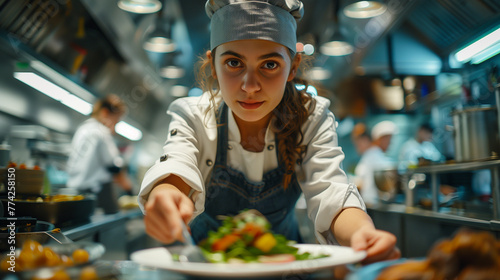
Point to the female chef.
(253, 141)
(94, 164)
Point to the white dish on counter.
(338, 255)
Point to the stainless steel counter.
(435, 169)
(121, 268)
(99, 222)
(417, 230)
(462, 219)
(129, 270)
(120, 233)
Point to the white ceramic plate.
(339, 255)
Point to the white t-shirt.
(190, 151)
(93, 151)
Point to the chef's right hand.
(165, 209)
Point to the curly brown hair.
(289, 115)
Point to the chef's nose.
(250, 83)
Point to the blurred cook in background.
(419, 149)
(374, 158)
(361, 138)
(94, 163)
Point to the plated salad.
(247, 238)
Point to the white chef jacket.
(190, 151)
(93, 151)
(412, 150)
(372, 159)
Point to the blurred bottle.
(4, 153)
(46, 185)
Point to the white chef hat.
(272, 20)
(384, 128)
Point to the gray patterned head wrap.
(271, 20)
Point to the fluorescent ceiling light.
(128, 131)
(54, 91)
(62, 81)
(486, 54)
(365, 9)
(41, 84)
(77, 104)
(479, 46)
(140, 6)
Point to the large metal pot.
(476, 133)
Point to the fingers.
(381, 242)
(158, 220)
(156, 230)
(396, 254)
(359, 242)
(165, 210)
(379, 245)
(392, 254)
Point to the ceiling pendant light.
(364, 9)
(172, 72)
(159, 40)
(170, 69)
(159, 44)
(337, 44)
(140, 6)
(336, 47)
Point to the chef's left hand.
(379, 245)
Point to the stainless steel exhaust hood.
(64, 36)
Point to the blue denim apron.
(229, 191)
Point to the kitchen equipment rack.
(435, 169)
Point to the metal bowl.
(388, 183)
(25, 229)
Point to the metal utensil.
(190, 252)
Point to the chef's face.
(252, 76)
(384, 142)
(110, 119)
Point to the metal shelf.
(456, 167)
(435, 169)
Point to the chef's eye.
(270, 65)
(233, 63)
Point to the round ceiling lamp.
(319, 74)
(160, 39)
(336, 44)
(172, 72)
(179, 91)
(140, 6)
(365, 9)
(159, 44)
(336, 48)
